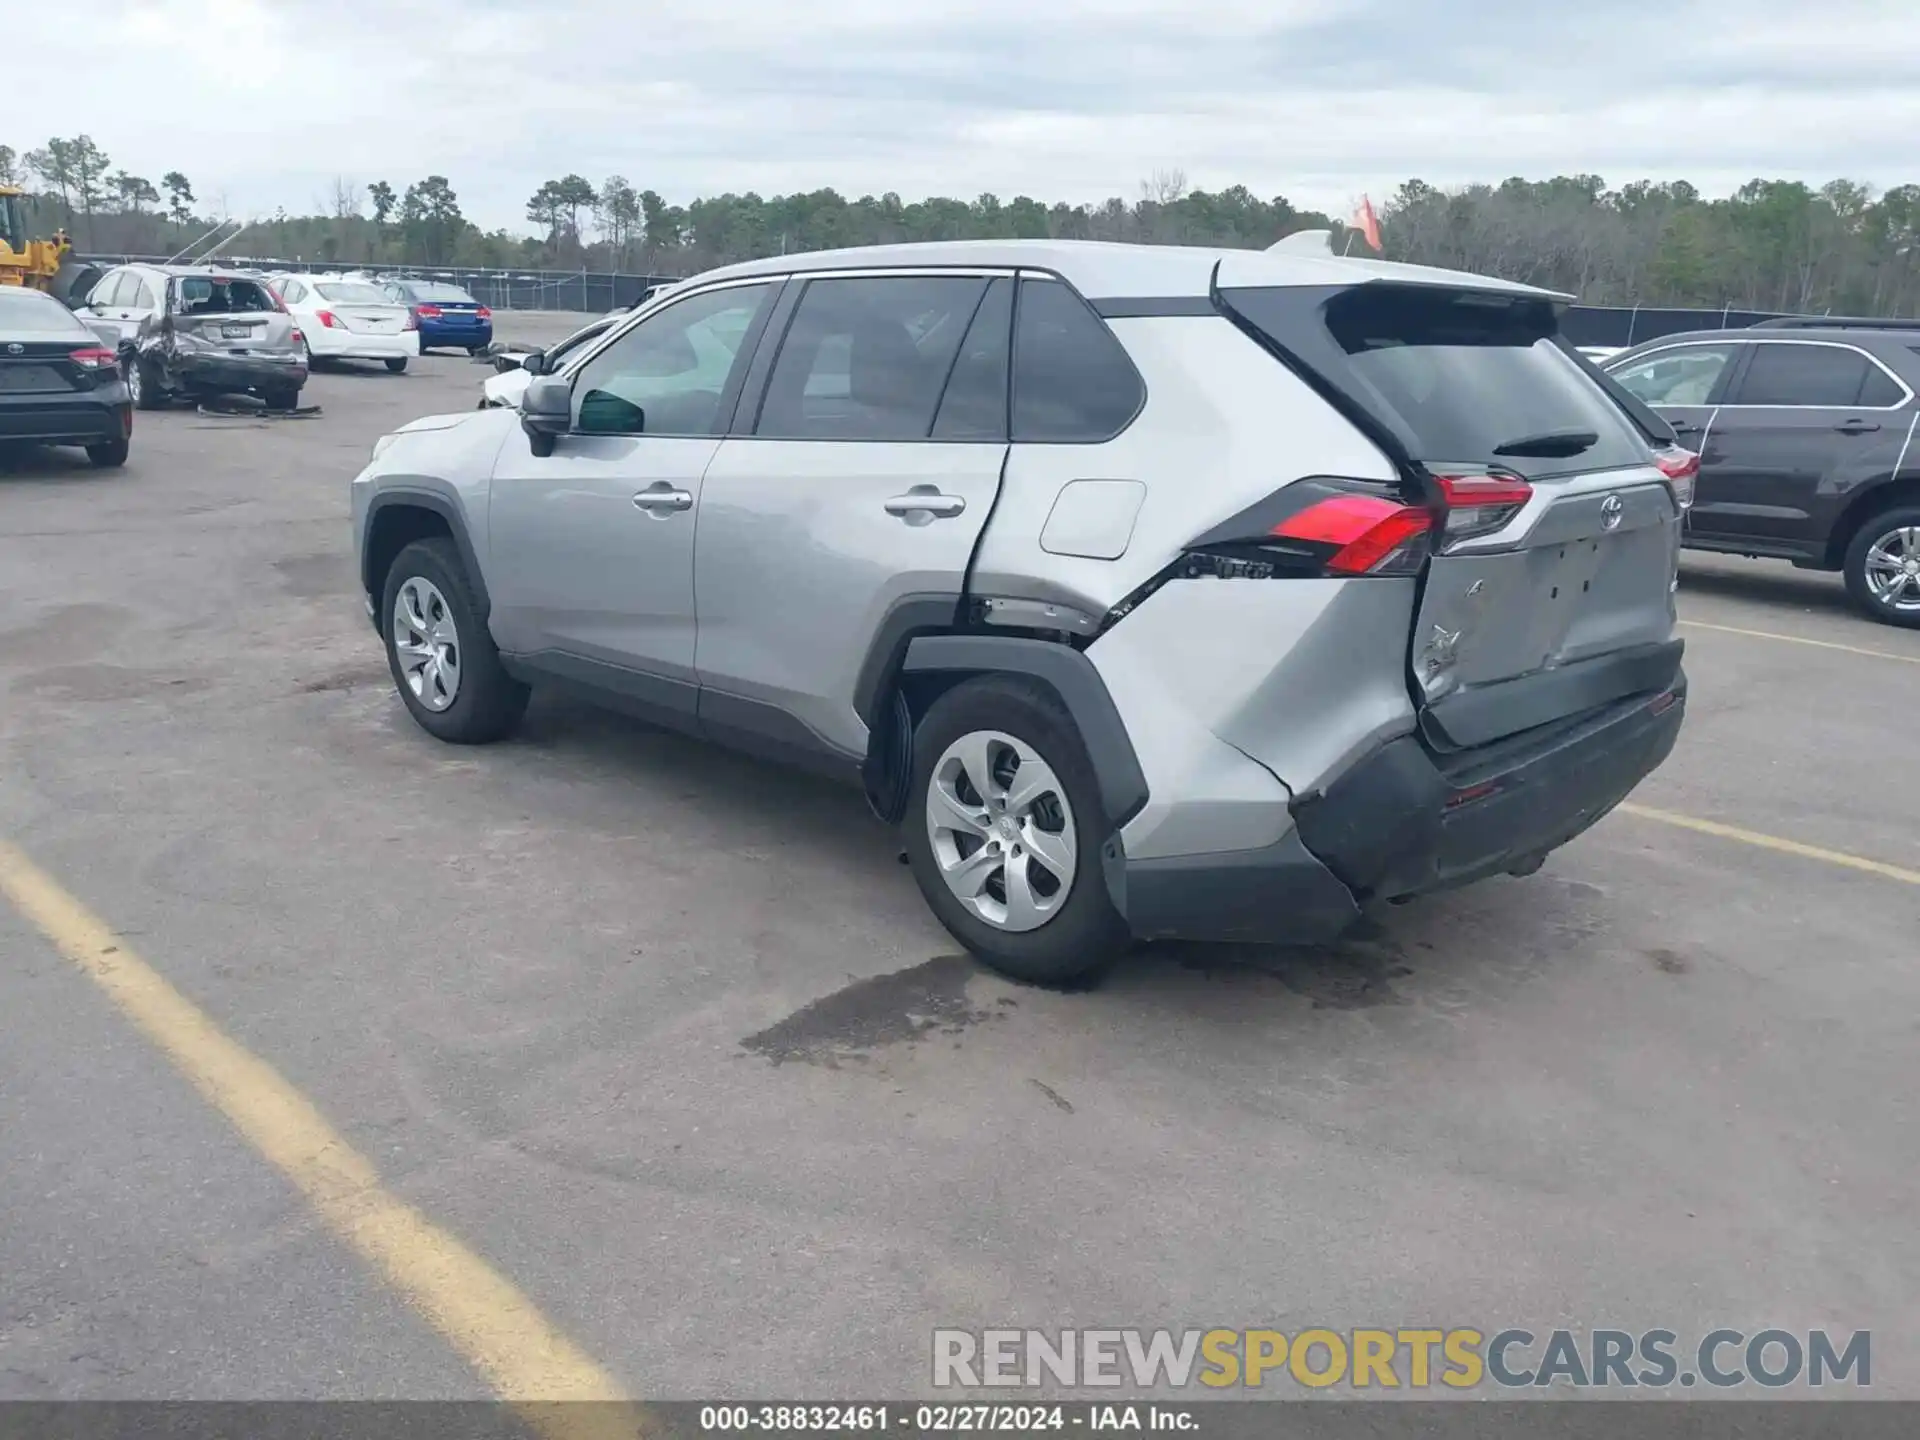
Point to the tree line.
(1837, 248)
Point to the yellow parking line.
(1772, 842)
(1803, 640)
(496, 1329)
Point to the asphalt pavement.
(666, 1038)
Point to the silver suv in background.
(193, 331)
(1155, 592)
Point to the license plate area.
(235, 332)
(30, 379)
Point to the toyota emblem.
(1610, 512)
(16, 349)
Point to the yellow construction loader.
(33, 263)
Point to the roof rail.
(1833, 322)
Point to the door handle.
(925, 502)
(1683, 427)
(663, 499)
(1856, 427)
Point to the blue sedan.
(448, 316)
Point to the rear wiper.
(1550, 443)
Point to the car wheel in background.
(1004, 830)
(282, 399)
(143, 386)
(476, 351)
(398, 365)
(110, 455)
(1882, 567)
(443, 660)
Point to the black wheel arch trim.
(420, 498)
(1071, 676)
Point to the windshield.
(351, 292)
(439, 294)
(13, 222)
(29, 315)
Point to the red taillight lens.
(427, 312)
(1370, 533)
(93, 357)
(1480, 504)
(1682, 469)
(329, 319)
(484, 313)
(1317, 527)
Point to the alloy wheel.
(1893, 569)
(427, 643)
(1002, 830)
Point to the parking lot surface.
(667, 1040)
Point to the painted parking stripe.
(1803, 640)
(1772, 842)
(495, 1328)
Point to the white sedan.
(349, 320)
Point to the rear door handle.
(663, 499)
(925, 502)
(1856, 427)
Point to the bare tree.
(344, 201)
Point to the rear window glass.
(29, 315)
(223, 295)
(1072, 382)
(1465, 377)
(1460, 377)
(351, 292)
(439, 294)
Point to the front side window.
(1684, 375)
(866, 358)
(105, 293)
(666, 376)
(1072, 381)
(1793, 373)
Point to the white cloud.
(264, 102)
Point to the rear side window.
(1072, 380)
(105, 294)
(1681, 375)
(1792, 373)
(975, 405)
(867, 359)
(141, 296)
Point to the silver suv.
(1159, 592)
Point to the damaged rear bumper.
(237, 372)
(1405, 822)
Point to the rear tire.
(486, 703)
(1043, 927)
(282, 399)
(111, 455)
(398, 365)
(1879, 555)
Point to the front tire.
(110, 455)
(443, 660)
(144, 385)
(1882, 567)
(398, 365)
(1004, 830)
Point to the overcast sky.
(263, 102)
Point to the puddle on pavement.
(902, 1008)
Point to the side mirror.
(546, 412)
(534, 362)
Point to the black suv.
(1805, 431)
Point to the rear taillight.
(427, 312)
(1682, 468)
(1319, 527)
(484, 313)
(329, 319)
(1480, 504)
(94, 358)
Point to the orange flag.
(1367, 223)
